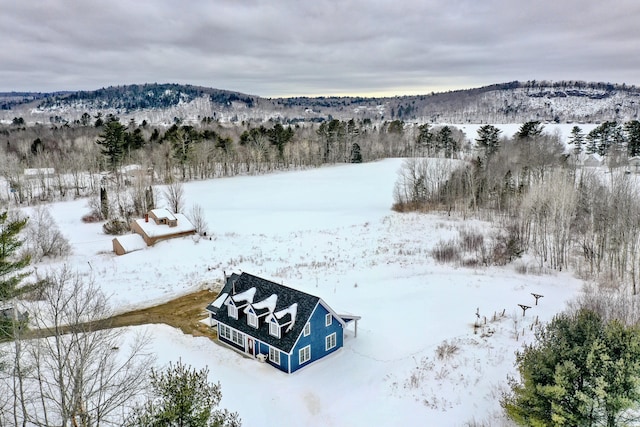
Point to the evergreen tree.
(425, 139)
(592, 141)
(632, 133)
(112, 139)
(488, 139)
(356, 155)
(576, 139)
(279, 136)
(580, 371)
(446, 141)
(183, 396)
(529, 130)
(104, 203)
(11, 264)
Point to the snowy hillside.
(417, 359)
(514, 102)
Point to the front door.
(250, 346)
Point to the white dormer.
(232, 310)
(274, 328)
(252, 319)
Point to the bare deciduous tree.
(197, 217)
(44, 238)
(174, 196)
(80, 375)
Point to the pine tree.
(112, 139)
(183, 396)
(11, 264)
(488, 139)
(580, 371)
(425, 138)
(632, 131)
(576, 139)
(356, 154)
(529, 130)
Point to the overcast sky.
(278, 48)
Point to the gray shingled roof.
(264, 289)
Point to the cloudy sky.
(316, 47)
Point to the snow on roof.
(221, 298)
(245, 296)
(292, 310)
(39, 171)
(152, 229)
(130, 168)
(268, 303)
(164, 213)
(131, 242)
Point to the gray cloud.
(322, 47)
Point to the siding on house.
(317, 338)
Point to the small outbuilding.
(128, 243)
(157, 224)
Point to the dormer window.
(307, 329)
(274, 328)
(252, 319)
(232, 311)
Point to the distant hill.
(513, 102)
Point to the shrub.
(446, 251)
(472, 240)
(116, 226)
(91, 218)
(446, 350)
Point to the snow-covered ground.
(330, 232)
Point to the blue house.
(282, 326)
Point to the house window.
(328, 319)
(307, 329)
(237, 337)
(232, 311)
(304, 354)
(274, 328)
(225, 331)
(330, 341)
(274, 355)
(252, 319)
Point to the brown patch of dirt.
(184, 313)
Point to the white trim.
(328, 319)
(330, 310)
(237, 338)
(274, 355)
(224, 331)
(252, 319)
(231, 334)
(232, 311)
(330, 341)
(274, 328)
(310, 316)
(304, 354)
(307, 329)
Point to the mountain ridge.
(511, 102)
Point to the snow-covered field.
(330, 232)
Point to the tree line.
(98, 151)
